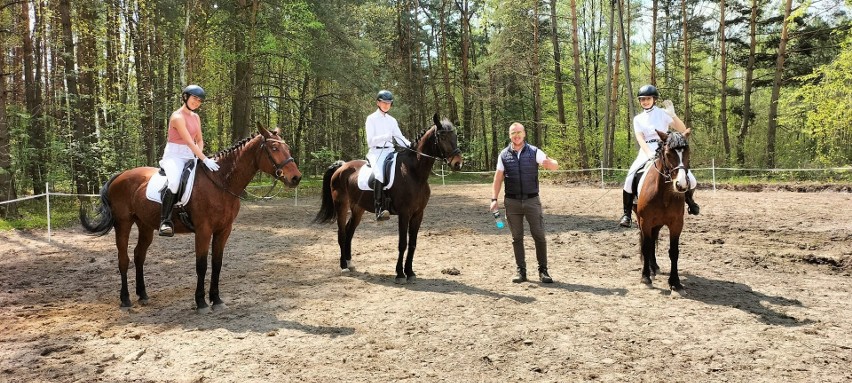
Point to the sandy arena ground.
(767, 299)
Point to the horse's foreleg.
(413, 229)
(674, 253)
(202, 245)
(403, 244)
(122, 237)
(139, 253)
(219, 241)
(647, 246)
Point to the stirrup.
(384, 215)
(167, 230)
(625, 221)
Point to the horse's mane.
(423, 133)
(676, 140)
(235, 147)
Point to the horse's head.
(278, 161)
(675, 159)
(447, 142)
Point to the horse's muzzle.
(456, 162)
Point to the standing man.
(518, 165)
(382, 130)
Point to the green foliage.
(819, 110)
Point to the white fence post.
(602, 175)
(47, 198)
(713, 169)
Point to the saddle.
(159, 182)
(367, 180)
(639, 179)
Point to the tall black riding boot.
(692, 207)
(382, 214)
(167, 229)
(627, 201)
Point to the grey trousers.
(530, 209)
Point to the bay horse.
(213, 207)
(409, 193)
(661, 203)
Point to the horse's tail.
(105, 222)
(327, 211)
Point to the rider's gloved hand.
(668, 107)
(211, 164)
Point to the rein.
(442, 157)
(278, 169)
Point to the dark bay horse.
(410, 193)
(213, 207)
(661, 201)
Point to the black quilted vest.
(521, 171)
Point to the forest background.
(87, 86)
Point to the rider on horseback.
(185, 143)
(645, 126)
(382, 129)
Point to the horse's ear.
(663, 135)
(437, 120)
(262, 130)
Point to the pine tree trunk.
(747, 113)
(578, 90)
(37, 162)
(776, 88)
(723, 112)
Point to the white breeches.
(377, 159)
(175, 157)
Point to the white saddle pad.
(366, 171)
(647, 168)
(158, 181)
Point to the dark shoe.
(625, 221)
(691, 207)
(521, 276)
(168, 200)
(544, 276)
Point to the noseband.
(279, 172)
(667, 168)
(444, 157)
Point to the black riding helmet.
(385, 95)
(192, 90)
(648, 90)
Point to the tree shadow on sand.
(743, 297)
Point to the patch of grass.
(32, 214)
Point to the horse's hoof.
(219, 307)
(143, 301)
(203, 310)
(125, 309)
(646, 281)
(400, 281)
(346, 270)
(411, 279)
(678, 293)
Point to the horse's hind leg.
(345, 233)
(122, 237)
(139, 253)
(655, 235)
